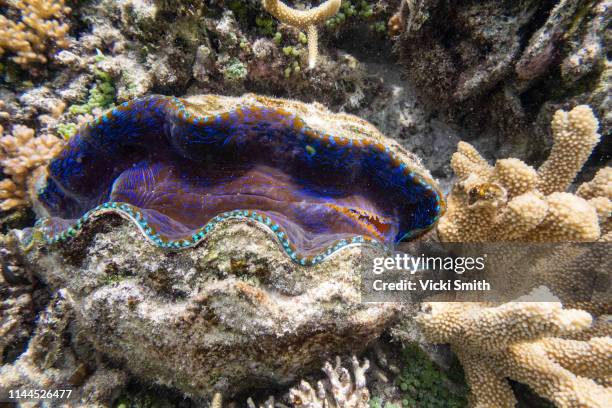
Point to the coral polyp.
(318, 182)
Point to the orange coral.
(20, 155)
(40, 24)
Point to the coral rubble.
(50, 363)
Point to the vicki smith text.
(402, 285)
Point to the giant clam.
(177, 169)
(258, 215)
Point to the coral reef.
(511, 64)
(232, 312)
(511, 201)
(338, 390)
(21, 155)
(526, 341)
(38, 31)
(305, 20)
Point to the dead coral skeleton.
(530, 342)
(21, 154)
(304, 20)
(40, 26)
(339, 390)
(512, 201)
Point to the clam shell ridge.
(317, 181)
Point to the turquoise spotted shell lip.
(134, 215)
(269, 131)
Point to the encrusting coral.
(21, 154)
(511, 201)
(527, 342)
(40, 25)
(304, 19)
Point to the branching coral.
(598, 192)
(511, 201)
(538, 344)
(40, 25)
(525, 341)
(21, 154)
(304, 20)
(338, 391)
(575, 135)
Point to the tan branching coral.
(21, 154)
(575, 135)
(39, 27)
(304, 20)
(511, 201)
(598, 192)
(527, 342)
(338, 391)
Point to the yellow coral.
(524, 341)
(511, 201)
(305, 20)
(21, 154)
(40, 25)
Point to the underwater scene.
(317, 204)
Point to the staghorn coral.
(340, 390)
(511, 201)
(527, 342)
(21, 154)
(304, 19)
(39, 27)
